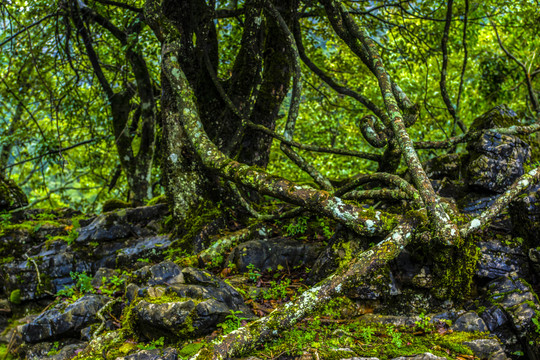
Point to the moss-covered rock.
(11, 196)
(114, 204)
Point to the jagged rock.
(64, 319)
(500, 259)
(470, 321)
(525, 214)
(55, 261)
(274, 254)
(486, 349)
(11, 196)
(156, 354)
(182, 303)
(444, 166)
(515, 302)
(496, 161)
(121, 224)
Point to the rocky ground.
(118, 286)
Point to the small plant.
(145, 260)
(277, 291)
(45, 216)
(367, 334)
(5, 218)
(232, 322)
(154, 344)
(55, 349)
(83, 285)
(424, 324)
(299, 227)
(396, 336)
(112, 285)
(325, 228)
(253, 274)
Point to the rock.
(102, 275)
(182, 303)
(496, 161)
(274, 254)
(11, 196)
(55, 261)
(486, 349)
(121, 224)
(520, 306)
(470, 322)
(525, 214)
(64, 319)
(166, 273)
(155, 354)
(424, 356)
(444, 166)
(501, 256)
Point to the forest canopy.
(59, 142)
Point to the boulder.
(515, 306)
(470, 322)
(486, 349)
(501, 256)
(274, 253)
(180, 303)
(64, 319)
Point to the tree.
(220, 110)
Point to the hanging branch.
(532, 94)
(442, 83)
(213, 159)
(294, 106)
(446, 230)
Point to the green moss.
(190, 349)
(365, 340)
(454, 268)
(15, 297)
(161, 199)
(186, 232)
(114, 204)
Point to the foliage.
(232, 322)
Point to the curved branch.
(245, 339)
(212, 158)
(522, 183)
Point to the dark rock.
(525, 214)
(496, 161)
(486, 349)
(500, 116)
(121, 224)
(500, 259)
(183, 303)
(165, 273)
(444, 166)
(470, 321)
(156, 354)
(63, 320)
(520, 305)
(274, 254)
(11, 196)
(55, 261)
